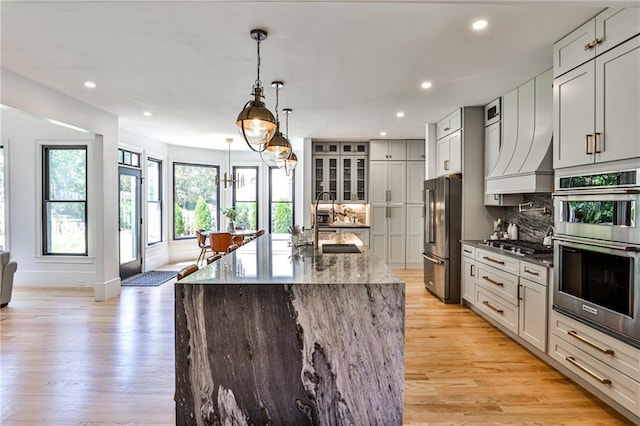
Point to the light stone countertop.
(270, 259)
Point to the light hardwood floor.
(67, 360)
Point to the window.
(281, 200)
(195, 196)
(64, 204)
(245, 196)
(3, 239)
(128, 158)
(154, 201)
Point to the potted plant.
(231, 214)
(294, 230)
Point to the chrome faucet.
(315, 215)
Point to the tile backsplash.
(532, 225)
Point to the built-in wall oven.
(597, 252)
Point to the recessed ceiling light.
(480, 24)
(400, 114)
(383, 133)
(426, 85)
(147, 114)
(90, 84)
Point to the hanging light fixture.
(278, 148)
(255, 122)
(292, 161)
(229, 179)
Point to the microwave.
(492, 112)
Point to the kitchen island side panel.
(319, 354)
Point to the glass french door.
(130, 226)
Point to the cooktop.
(519, 246)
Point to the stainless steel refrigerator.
(443, 210)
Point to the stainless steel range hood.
(525, 163)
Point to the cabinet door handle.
(388, 213)
(486, 278)
(537, 274)
(446, 164)
(575, 335)
(595, 143)
(520, 298)
(499, 262)
(586, 144)
(472, 271)
(489, 305)
(573, 361)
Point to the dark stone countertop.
(540, 259)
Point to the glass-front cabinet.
(354, 181)
(341, 168)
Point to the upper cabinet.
(342, 169)
(449, 154)
(595, 113)
(415, 150)
(449, 124)
(387, 150)
(605, 31)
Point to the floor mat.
(151, 278)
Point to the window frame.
(271, 202)
(257, 190)
(173, 180)
(159, 202)
(46, 197)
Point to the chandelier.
(229, 179)
(255, 122)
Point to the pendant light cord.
(258, 83)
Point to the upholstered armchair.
(7, 269)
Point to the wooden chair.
(260, 233)
(213, 258)
(232, 247)
(202, 243)
(220, 241)
(238, 239)
(187, 270)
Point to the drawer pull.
(573, 361)
(587, 342)
(499, 262)
(486, 278)
(500, 311)
(537, 274)
(467, 251)
(447, 128)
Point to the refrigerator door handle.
(432, 260)
(431, 225)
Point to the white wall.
(100, 269)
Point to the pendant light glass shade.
(256, 123)
(290, 163)
(278, 150)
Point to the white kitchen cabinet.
(468, 275)
(387, 233)
(414, 235)
(388, 150)
(449, 124)
(449, 154)
(326, 148)
(354, 148)
(532, 326)
(415, 150)
(353, 179)
(325, 176)
(598, 89)
(415, 182)
(601, 33)
(388, 182)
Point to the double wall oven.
(597, 251)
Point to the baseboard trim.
(106, 290)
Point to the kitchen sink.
(340, 248)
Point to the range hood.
(525, 161)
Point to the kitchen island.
(274, 334)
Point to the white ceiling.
(348, 66)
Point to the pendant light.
(278, 148)
(229, 179)
(292, 161)
(255, 122)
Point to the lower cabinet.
(607, 364)
(387, 233)
(510, 292)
